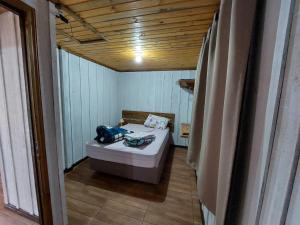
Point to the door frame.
(28, 28)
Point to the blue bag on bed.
(109, 134)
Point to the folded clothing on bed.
(109, 134)
(138, 139)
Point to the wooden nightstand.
(185, 130)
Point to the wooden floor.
(98, 199)
(7, 217)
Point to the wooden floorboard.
(98, 199)
(8, 217)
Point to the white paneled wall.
(89, 98)
(158, 91)
(208, 216)
(93, 95)
(16, 164)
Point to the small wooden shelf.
(185, 130)
(187, 83)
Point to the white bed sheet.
(147, 156)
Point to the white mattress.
(147, 156)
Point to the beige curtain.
(226, 69)
(198, 109)
(208, 163)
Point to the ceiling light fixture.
(138, 48)
(138, 54)
(138, 58)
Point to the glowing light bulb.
(138, 58)
(138, 48)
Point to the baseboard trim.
(179, 146)
(21, 212)
(75, 164)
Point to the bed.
(144, 163)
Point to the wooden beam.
(79, 19)
(92, 41)
(58, 31)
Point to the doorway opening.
(25, 194)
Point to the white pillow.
(158, 122)
(150, 121)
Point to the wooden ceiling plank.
(141, 32)
(148, 11)
(161, 54)
(154, 24)
(182, 37)
(166, 53)
(152, 39)
(194, 44)
(132, 46)
(145, 7)
(67, 35)
(125, 7)
(117, 17)
(148, 57)
(150, 35)
(79, 19)
(143, 18)
(140, 28)
(92, 4)
(146, 50)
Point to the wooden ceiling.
(167, 33)
(2, 10)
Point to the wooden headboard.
(139, 117)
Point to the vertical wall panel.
(93, 98)
(208, 217)
(89, 99)
(293, 214)
(8, 175)
(66, 109)
(107, 82)
(99, 91)
(57, 91)
(175, 104)
(31, 198)
(85, 103)
(16, 143)
(75, 98)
